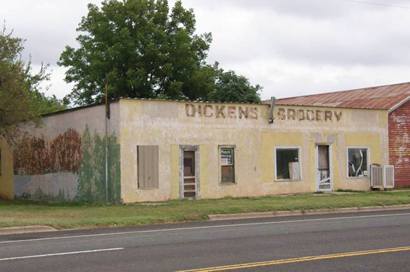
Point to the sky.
(289, 47)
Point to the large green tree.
(232, 87)
(142, 48)
(21, 98)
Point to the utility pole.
(107, 117)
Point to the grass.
(65, 216)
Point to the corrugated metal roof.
(380, 97)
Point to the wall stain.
(35, 156)
(83, 155)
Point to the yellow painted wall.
(6, 177)
(169, 125)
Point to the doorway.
(189, 172)
(324, 181)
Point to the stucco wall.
(6, 173)
(171, 124)
(63, 157)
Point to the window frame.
(299, 148)
(220, 147)
(368, 162)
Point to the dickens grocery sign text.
(221, 111)
(308, 115)
(250, 112)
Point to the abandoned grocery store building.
(154, 150)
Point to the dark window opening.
(287, 164)
(189, 163)
(357, 162)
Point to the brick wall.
(399, 144)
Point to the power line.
(377, 4)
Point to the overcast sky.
(290, 47)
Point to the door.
(189, 186)
(323, 168)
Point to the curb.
(25, 229)
(238, 216)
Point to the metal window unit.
(382, 176)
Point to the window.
(287, 164)
(227, 161)
(147, 161)
(357, 162)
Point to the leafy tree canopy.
(142, 48)
(21, 98)
(231, 87)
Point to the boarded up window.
(147, 167)
(357, 162)
(227, 159)
(287, 164)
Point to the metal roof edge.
(343, 91)
(398, 105)
(192, 101)
(75, 109)
(331, 107)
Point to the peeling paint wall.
(399, 144)
(6, 170)
(64, 158)
(209, 125)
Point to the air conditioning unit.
(376, 176)
(382, 176)
(388, 181)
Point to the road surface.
(372, 241)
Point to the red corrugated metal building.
(393, 98)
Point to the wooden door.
(189, 172)
(323, 163)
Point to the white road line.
(206, 227)
(61, 254)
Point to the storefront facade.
(394, 98)
(155, 150)
(208, 150)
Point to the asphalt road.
(374, 241)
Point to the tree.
(21, 98)
(231, 87)
(139, 48)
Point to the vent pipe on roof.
(272, 105)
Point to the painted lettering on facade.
(249, 112)
(221, 111)
(308, 115)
